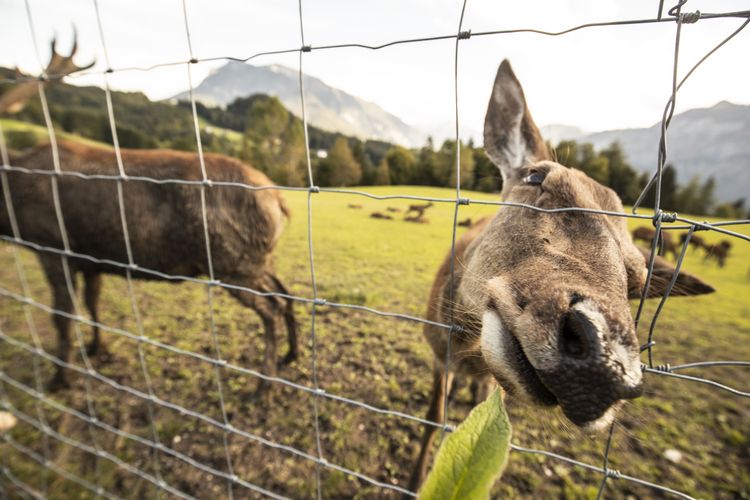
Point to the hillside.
(704, 142)
(327, 107)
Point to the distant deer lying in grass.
(164, 221)
(541, 299)
(418, 209)
(417, 219)
(380, 215)
(465, 223)
(666, 245)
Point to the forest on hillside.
(259, 130)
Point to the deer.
(695, 241)
(719, 252)
(539, 301)
(419, 209)
(667, 244)
(380, 215)
(417, 219)
(464, 223)
(164, 221)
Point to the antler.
(60, 65)
(13, 100)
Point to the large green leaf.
(472, 457)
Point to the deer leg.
(268, 309)
(291, 323)
(435, 414)
(62, 303)
(92, 291)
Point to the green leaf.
(473, 456)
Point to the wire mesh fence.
(224, 469)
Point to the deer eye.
(534, 179)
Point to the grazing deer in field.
(647, 235)
(419, 209)
(719, 252)
(695, 241)
(164, 221)
(541, 299)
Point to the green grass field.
(388, 265)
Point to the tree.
(274, 142)
(339, 168)
(623, 179)
(401, 165)
(487, 177)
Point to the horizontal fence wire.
(661, 220)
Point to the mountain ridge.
(326, 107)
(703, 142)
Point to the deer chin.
(508, 363)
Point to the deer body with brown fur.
(541, 299)
(165, 225)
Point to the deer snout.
(597, 366)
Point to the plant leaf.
(473, 456)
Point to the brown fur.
(541, 299)
(165, 225)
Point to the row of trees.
(261, 131)
(609, 167)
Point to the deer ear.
(686, 283)
(511, 138)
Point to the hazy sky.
(599, 78)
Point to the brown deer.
(417, 219)
(666, 245)
(695, 241)
(380, 215)
(719, 252)
(465, 223)
(419, 209)
(164, 221)
(541, 299)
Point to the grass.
(388, 265)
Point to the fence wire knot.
(612, 473)
(690, 17)
(661, 216)
(464, 35)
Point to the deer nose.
(578, 338)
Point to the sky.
(595, 79)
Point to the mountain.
(327, 107)
(556, 133)
(701, 142)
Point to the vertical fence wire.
(209, 287)
(68, 276)
(129, 252)
(312, 189)
(26, 290)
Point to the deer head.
(552, 289)
(15, 99)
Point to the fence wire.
(157, 450)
